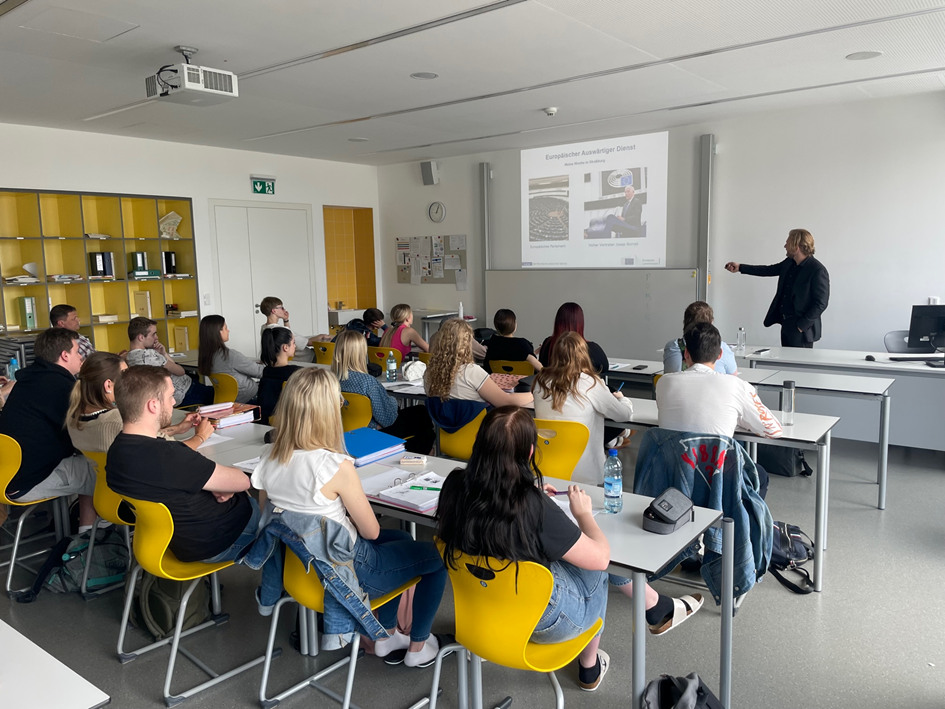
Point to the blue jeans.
(579, 598)
(246, 537)
(391, 560)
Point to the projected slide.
(600, 204)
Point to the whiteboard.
(630, 313)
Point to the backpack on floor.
(159, 599)
(779, 460)
(688, 692)
(790, 550)
(62, 570)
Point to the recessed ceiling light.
(424, 75)
(357, 140)
(860, 56)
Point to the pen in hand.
(621, 386)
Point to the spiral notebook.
(392, 486)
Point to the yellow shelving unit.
(61, 231)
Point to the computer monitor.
(927, 326)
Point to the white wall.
(864, 178)
(51, 159)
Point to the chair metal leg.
(559, 695)
(476, 681)
(16, 545)
(461, 679)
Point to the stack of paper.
(385, 488)
(367, 445)
(230, 414)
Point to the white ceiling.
(610, 66)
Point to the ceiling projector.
(191, 84)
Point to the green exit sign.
(261, 186)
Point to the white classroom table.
(809, 432)
(633, 550)
(920, 391)
(840, 385)
(624, 370)
(31, 677)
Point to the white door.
(264, 251)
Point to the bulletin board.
(437, 259)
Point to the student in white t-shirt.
(702, 401)
(452, 374)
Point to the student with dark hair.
(570, 318)
(369, 324)
(505, 345)
(497, 507)
(214, 356)
(35, 417)
(278, 346)
(214, 518)
(67, 316)
(144, 348)
(696, 312)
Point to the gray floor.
(873, 638)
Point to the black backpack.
(790, 550)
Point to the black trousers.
(791, 336)
(413, 424)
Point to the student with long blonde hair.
(350, 366)
(401, 334)
(570, 389)
(452, 374)
(307, 471)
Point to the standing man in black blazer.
(803, 290)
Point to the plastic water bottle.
(461, 315)
(391, 367)
(613, 483)
(742, 342)
(12, 368)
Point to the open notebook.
(393, 486)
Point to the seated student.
(504, 344)
(497, 507)
(277, 316)
(145, 348)
(400, 335)
(696, 312)
(368, 325)
(35, 417)
(278, 345)
(698, 401)
(570, 318)
(306, 471)
(214, 356)
(452, 374)
(350, 366)
(569, 389)
(93, 421)
(66, 316)
(214, 518)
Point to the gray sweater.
(242, 368)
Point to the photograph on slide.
(548, 208)
(615, 202)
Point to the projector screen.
(599, 204)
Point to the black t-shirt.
(598, 358)
(169, 472)
(270, 389)
(35, 417)
(514, 349)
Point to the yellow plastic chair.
(424, 357)
(497, 606)
(378, 355)
(324, 352)
(459, 445)
(508, 366)
(109, 506)
(225, 387)
(153, 532)
(356, 412)
(560, 446)
(306, 589)
(11, 456)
